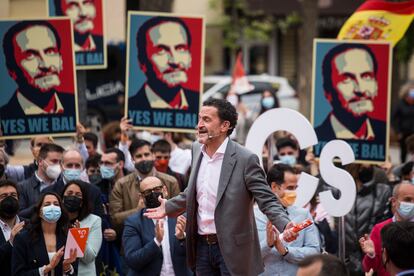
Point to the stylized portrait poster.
(351, 96)
(37, 75)
(164, 69)
(87, 17)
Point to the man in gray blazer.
(225, 181)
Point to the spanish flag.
(379, 20)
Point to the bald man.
(148, 243)
(322, 265)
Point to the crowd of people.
(108, 184)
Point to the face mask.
(151, 200)
(72, 203)
(288, 198)
(155, 138)
(233, 99)
(71, 174)
(51, 213)
(288, 160)
(161, 165)
(406, 210)
(95, 178)
(144, 166)
(2, 169)
(53, 171)
(366, 174)
(268, 102)
(107, 172)
(412, 180)
(9, 207)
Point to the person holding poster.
(164, 47)
(35, 56)
(352, 85)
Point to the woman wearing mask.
(79, 212)
(40, 250)
(268, 101)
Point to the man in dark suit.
(349, 74)
(46, 175)
(10, 223)
(164, 55)
(36, 68)
(82, 14)
(154, 247)
(72, 167)
(225, 181)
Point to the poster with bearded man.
(87, 17)
(37, 75)
(351, 96)
(164, 69)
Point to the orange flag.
(240, 84)
(77, 238)
(379, 20)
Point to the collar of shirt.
(89, 45)
(30, 108)
(343, 133)
(42, 182)
(7, 229)
(220, 151)
(157, 102)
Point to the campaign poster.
(164, 71)
(87, 17)
(37, 74)
(351, 96)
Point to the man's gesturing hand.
(157, 213)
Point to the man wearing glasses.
(126, 197)
(148, 243)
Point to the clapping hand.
(180, 227)
(367, 245)
(159, 230)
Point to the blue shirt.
(307, 243)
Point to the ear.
(274, 187)
(121, 164)
(225, 126)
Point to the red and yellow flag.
(379, 20)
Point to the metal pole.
(82, 102)
(341, 238)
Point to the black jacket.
(6, 254)
(403, 118)
(31, 254)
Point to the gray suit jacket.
(242, 181)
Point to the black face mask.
(2, 169)
(72, 203)
(151, 200)
(9, 207)
(366, 174)
(95, 178)
(144, 166)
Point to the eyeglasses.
(157, 189)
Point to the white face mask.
(53, 171)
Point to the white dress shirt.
(5, 228)
(180, 160)
(167, 268)
(207, 185)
